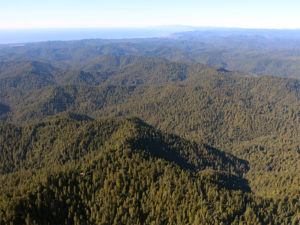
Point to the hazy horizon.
(11, 36)
(28, 14)
(20, 36)
(23, 21)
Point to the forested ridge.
(76, 170)
(261, 52)
(136, 132)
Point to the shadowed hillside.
(212, 145)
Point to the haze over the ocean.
(133, 13)
(33, 20)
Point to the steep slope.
(49, 143)
(125, 70)
(72, 169)
(26, 75)
(254, 118)
(136, 70)
(132, 70)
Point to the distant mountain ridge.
(261, 52)
(74, 151)
(105, 69)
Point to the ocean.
(39, 35)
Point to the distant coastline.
(18, 37)
(15, 36)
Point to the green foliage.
(99, 172)
(258, 54)
(235, 113)
(54, 142)
(75, 170)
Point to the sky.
(24, 14)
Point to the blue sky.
(134, 13)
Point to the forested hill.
(74, 137)
(116, 70)
(72, 169)
(211, 145)
(255, 118)
(261, 52)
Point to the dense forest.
(72, 169)
(148, 131)
(260, 52)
